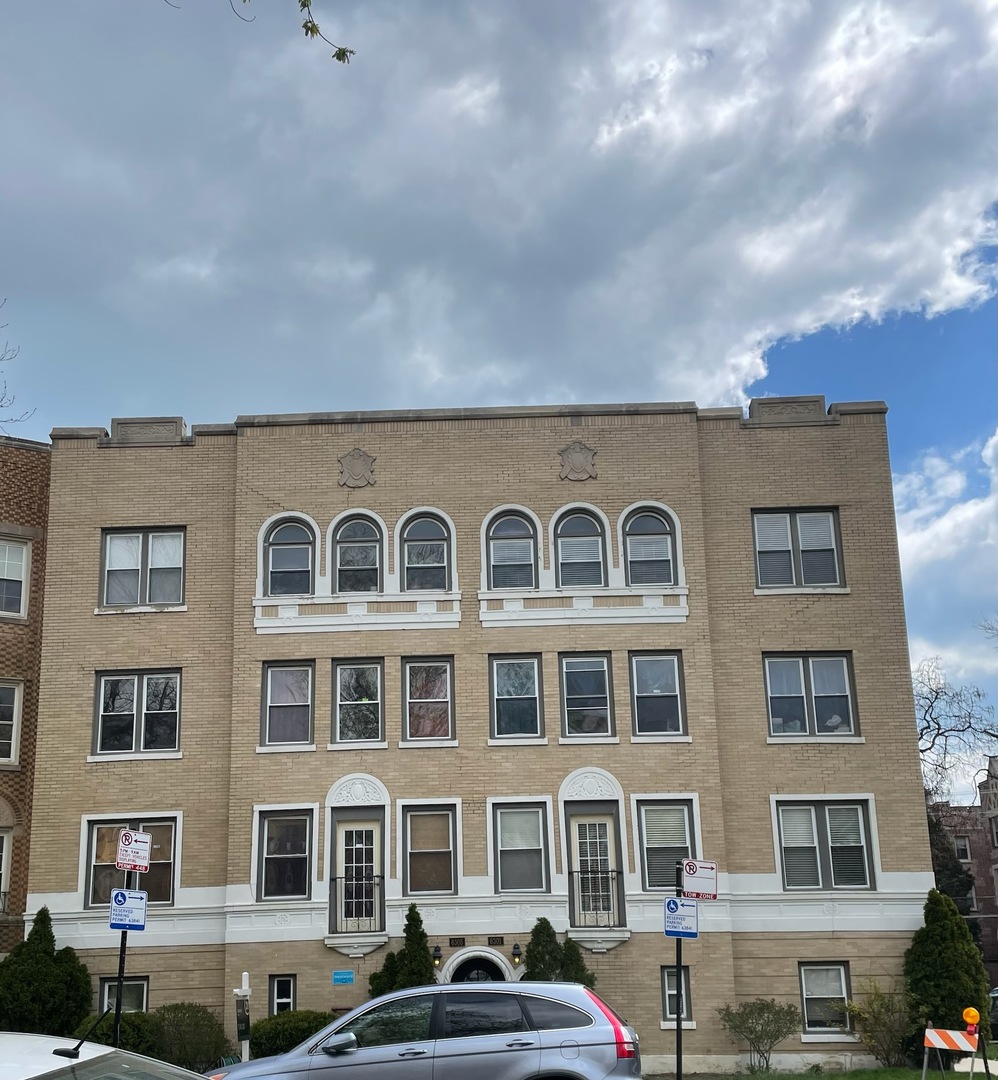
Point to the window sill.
(517, 740)
(358, 745)
(13, 616)
(661, 738)
(290, 748)
(853, 740)
(670, 1025)
(804, 590)
(410, 744)
(843, 1036)
(139, 609)
(142, 755)
(567, 740)
(10, 766)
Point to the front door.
(478, 969)
(596, 879)
(484, 1033)
(357, 893)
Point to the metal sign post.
(128, 907)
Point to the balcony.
(356, 914)
(596, 899)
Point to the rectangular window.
(282, 994)
(824, 990)
(134, 993)
(824, 846)
(666, 837)
(286, 841)
(358, 705)
(13, 578)
(516, 700)
(993, 826)
(810, 695)
(962, 844)
(288, 705)
(428, 699)
(138, 712)
(429, 849)
(585, 689)
(796, 548)
(672, 1005)
(972, 898)
(655, 694)
(11, 697)
(158, 881)
(143, 566)
(520, 849)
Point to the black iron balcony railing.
(356, 905)
(596, 898)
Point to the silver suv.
(497, 1031)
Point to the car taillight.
(625, 1045)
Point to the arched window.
(426, 553)
(290, 557)
(580, 551)
(512, 553)
(648, 546)
(358, 557)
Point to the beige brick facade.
(579, 807)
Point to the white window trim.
(632, 686)
(22, 615)
(542, 567)
(872, 838)
(346, 744)
(669, 1023)
(501, 802)
(962, 836)
(256, 866)
(824, 1034)
(87, 820)
(611, 735)
(332, 560)
(138, 716)
(450, 739)
(272, 993)
(805, 661)
(678, 569)
(454, 588)
(495, 739)
(613, 577)
(14, 761)
(658, 797)
(108, 981)
(358, 789)
(142, 755)
(575, 788)
(261, 555)
(403, 805)
(793, 515)
(264, 744)
(144, 532)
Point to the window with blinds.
(520, 835)
(824, 846)
(796, 548)
(512, 553)
(665, 830)
(648, 543)
(580, 551)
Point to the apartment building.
(503, 663)
(24, 481)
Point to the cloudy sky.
(521, 202)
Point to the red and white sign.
(133, 850)
(700, 879)
(945, 1039)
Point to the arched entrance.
(478, 969)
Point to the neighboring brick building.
(985, 868)
(504, 663)
(24, 489)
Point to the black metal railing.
(596, 898)
(356, 904)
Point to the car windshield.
(115, 1066)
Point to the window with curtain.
(143, 566)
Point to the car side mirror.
(340, 1043)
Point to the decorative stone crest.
(357, 792)
(577, 462)
(590, 785)
(356, 469)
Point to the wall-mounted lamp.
(517, 954)
(437, 955)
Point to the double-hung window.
(516, 701)
(286, 844)
(585, 688)
(655, 694)
(134, 993)
(648, 542)
(13, 577)
(287, 712)
(138, 712)
(428, 699)
(11, 704)
(282, 994)
(290, 557)
(426, 554)
(520, 849)
(675, 1006)
(824, 991)
(358, 705)
(962, 845)
(512, 553)
(143, 566)
(809, 695)
(430, 850)
(358, 557)
(104, 877)
(796, 548)
(824, 845)
(581, 555)
(666, 838)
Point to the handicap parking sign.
(128, 909)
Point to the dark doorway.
(478, 969)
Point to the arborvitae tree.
(544, 955)
(415, 964)
(573, 966)
(383, 980)
(42, 990)
(943, 968)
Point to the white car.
(25, 1057)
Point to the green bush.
(543, 954)
(140, 1032)
(191, 1036)
(284, 1031)
(884, 1023)
(762, 1024)
(412, 965)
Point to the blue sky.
(574, 200)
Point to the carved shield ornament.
(577, 462)
(356, 469)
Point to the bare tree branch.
(8, 352)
